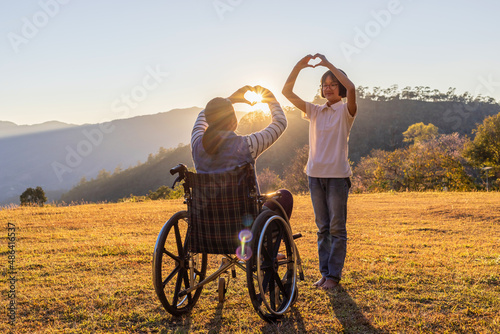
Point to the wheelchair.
(225, 216)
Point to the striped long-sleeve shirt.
(259, 141)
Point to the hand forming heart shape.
(314, 61)
(253, 97)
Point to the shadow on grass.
(180, 324)
(215, 324)
(291, 323)
(348, 313)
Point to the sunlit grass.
(417, 262)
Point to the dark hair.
(220, 116)
(342, 89)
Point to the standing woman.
(328, 168)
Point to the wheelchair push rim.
(272, 281)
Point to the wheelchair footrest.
(297, 235)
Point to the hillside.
(379, 125)
(137, 180)
(56, 160)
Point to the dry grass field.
(416, 263)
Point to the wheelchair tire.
(171, 271)
(272, 283)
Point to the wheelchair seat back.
(220, 207)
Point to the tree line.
(409, 139)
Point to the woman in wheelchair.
(216, 148)
(225, 217)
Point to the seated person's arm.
(260, 141)
(199, 128)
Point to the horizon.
(86, 63)
(244, 109)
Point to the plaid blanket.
(220, 207)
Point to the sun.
(256, 100)
(253, 97)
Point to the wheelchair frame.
(271, 279)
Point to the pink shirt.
(329, 129)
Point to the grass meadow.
(416, 263)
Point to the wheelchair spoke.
(185, 277)
(171, 255)
(171, 275)
(178, 240)
(269, 245)
(186, 284)
(281, 287)
(272, 295)
(277, 246)
(266, 279)
(267, 261)
(178, 285)
(197, 272)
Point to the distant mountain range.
(56, 155)
(9, 129)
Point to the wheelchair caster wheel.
(222, 289)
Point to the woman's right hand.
(304, 62)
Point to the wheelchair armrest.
(275, 194)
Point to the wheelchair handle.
(181, 169)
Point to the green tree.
(103, 174)
(33, 197)
(484, 150)
(269, 181)
(295, 178)
(419, 132)
(164, 192)
(253, 121)
(430, 165)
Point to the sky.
(92, 61)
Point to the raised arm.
(344, 80)
(199, 128)
(260, 141)
(290, 82)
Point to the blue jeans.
(329, 199)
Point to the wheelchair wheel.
(171, 266)
(272, 278)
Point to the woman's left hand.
(324, 62)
